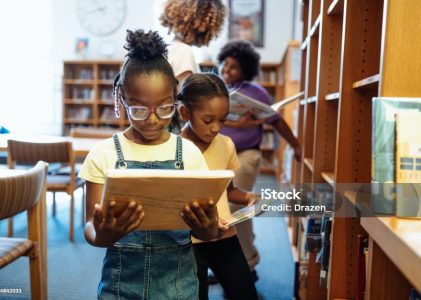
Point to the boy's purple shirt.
(247, 138)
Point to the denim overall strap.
(120, 157)
(141, 264)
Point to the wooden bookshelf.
(87, 95)
(351, 52)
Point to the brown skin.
(103, 229)
(231, 73)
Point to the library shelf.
(79, 81)
(79, 102)
(309, 163)
(360, 50)
(336, 8)
(367, 83)
(329, 177)
(332, 96)
(268, 85)
(312, 99)
(400, 240)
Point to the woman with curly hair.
(238, 65)
(194, 23)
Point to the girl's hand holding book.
(202, 220)
(110, 228)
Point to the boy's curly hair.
(243, 52)
(197, 22)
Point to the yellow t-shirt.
(221, 155)
(104, 156)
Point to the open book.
(163, 193)
(241, 104)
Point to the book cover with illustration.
(383, 150)
(408, 164)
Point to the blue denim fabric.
(150, 264)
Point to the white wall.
(40, 105)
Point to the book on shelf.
(241, 104)
(107, 114)
(383, 150)
(80, 114)
(408, 164)
(163, 193)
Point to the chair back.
(32, 152)
(21, 192)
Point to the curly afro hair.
(244, 53)
(196, 22)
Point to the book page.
(241, 104)
(163, 193)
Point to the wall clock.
(101, 17)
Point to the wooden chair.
(21, 192)
(54, 152)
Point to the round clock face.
(101, 17)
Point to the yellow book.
(163, 193)
(408, 164)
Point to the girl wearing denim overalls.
(145, 264)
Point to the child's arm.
(103, 230)
(203, 221)
(241, 197)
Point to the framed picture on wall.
(246, 21)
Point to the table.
(81, 146)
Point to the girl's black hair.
(202, 86)
(146, 53)
(244, 53)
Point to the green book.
(383, 150)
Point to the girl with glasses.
(145, 264)
(204, 106)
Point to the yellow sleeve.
(93, 168)
(233, 161)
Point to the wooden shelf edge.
(366, 83)
(332, 96)
(79, 81)
(309, 162)
(329, 177)
(336, 8)
(314, 29)
(78, 102)
(400, 241)
(312, 99)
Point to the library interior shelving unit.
(352, 51)
(87, 94)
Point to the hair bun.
(145, 45)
